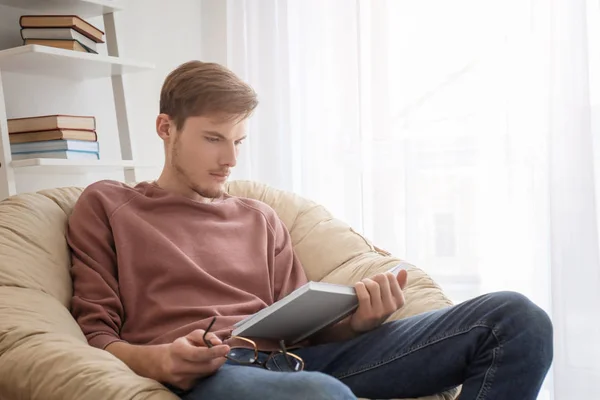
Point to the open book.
(305, 311)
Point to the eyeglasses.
(281, 359)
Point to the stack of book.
(63, 31)
(54, 136)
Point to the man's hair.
(197, 88)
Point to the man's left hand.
(378, 298)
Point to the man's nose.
(229, 157)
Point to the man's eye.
(239, 142)
(212, 139)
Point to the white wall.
(165, 35)
(149, 31)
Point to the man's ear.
(163, 126)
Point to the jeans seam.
(490, 373)
(416, 348)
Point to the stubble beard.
(184, 176)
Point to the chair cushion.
(33, 249)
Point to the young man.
(155, 263)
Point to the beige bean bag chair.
(43, 353)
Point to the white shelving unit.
(53, 62)
(71, 166)
(83, 8)
(71, 65)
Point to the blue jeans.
(498, 346)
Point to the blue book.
(66, 155)
(55, 145)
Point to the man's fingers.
(374, 293)
(195, 368)
(364, 299)
(388, 302)
(187, 350)
(204, 354)
(396, 290)
(402, 278)
(196, 337)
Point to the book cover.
(66, 44)
(51, 122)
(55, 145)
(304, 312)
(62, 21)
(55, 134)
(58, 34)
(66, 155)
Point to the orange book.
(51, 122)
(63, 21)
(61, 44)
(55, 134)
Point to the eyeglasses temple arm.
(283, 349)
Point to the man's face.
(203, 152)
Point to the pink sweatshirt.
(150, 266)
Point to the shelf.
(56, 165)
(83, 8)
(34, 59)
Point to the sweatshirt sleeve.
(289, 272)
(95, 305)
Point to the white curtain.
(459, 135)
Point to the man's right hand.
(179, 364)
(188, 359)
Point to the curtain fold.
(575, 266)
(461, 136)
